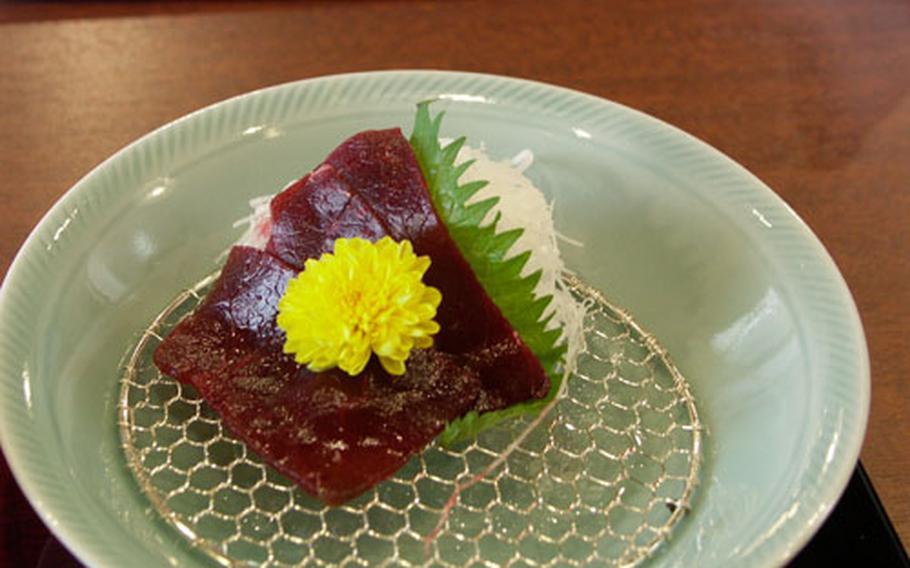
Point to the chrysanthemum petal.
(392, 366)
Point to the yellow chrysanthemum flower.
(364, 298)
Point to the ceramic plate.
(750, 306)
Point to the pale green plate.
(750, 305)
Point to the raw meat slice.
(309, 215)
(334, 435)
(235, 319)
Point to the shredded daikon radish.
(258, 223)
(522, 205)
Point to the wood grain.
(811, 96)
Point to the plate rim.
(13, 416)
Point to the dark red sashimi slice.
(276, 205)
(380, 167)
(236, 318)
(334, 435)
(308, 217)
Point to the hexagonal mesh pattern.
(602, 479)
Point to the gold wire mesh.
(602, 479)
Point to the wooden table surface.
(812, 96)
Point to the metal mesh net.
(602, 479)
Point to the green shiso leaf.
(485, 249)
